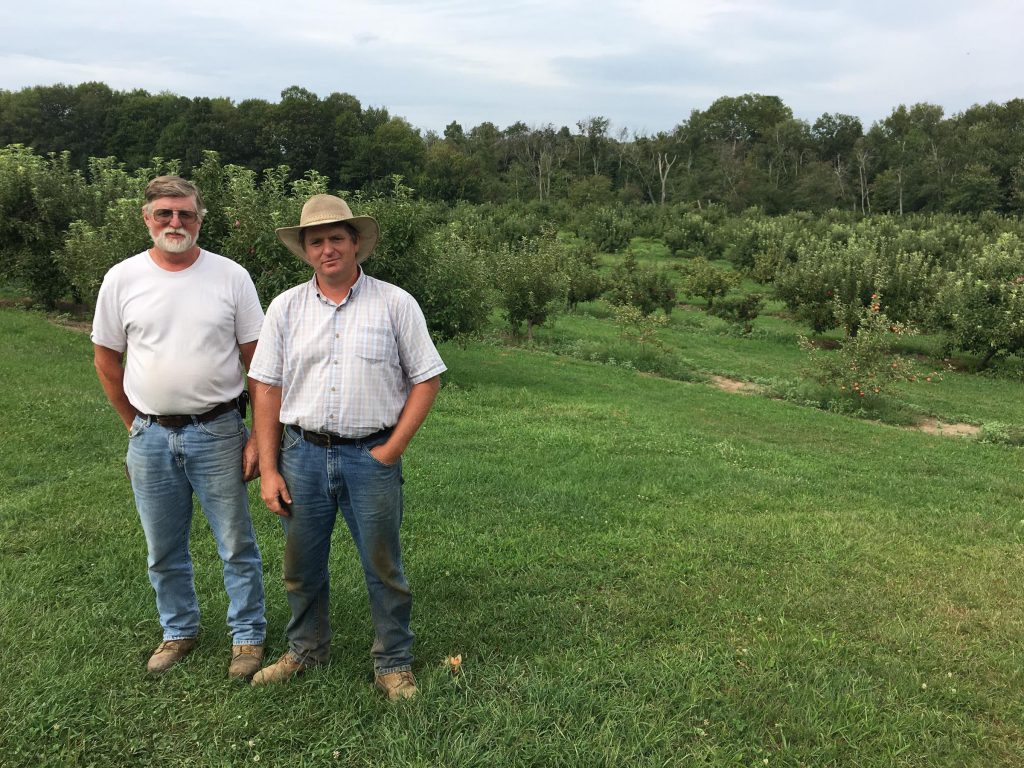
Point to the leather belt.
(329, 439)
(174, 422)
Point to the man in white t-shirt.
(174, 326)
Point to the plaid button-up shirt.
(345, 368)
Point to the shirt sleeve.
(268, 360)
(419, 357)
(249, 313)
(107, 326)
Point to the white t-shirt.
(181, 330)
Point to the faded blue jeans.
(321, 481)
(166, 467)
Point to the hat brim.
(369, 233)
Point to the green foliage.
(762, 247)
(39, 198)
(579, 265)
(530, 283)
(89, 251)
(609, 228)
(850, 272)
(454, 291)
(739, 310)
(251, 212)
(492, 224)
(402, 254)
(738, 152)
(702, 278)
(865, 366)
(591, 190)
(637, 327)
(982, 307)
(691, 234)
(642, 287)
(60, 229)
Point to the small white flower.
(924, 686)
(255, 758)
(952, 690)
(252, 742)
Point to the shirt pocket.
(376, 344)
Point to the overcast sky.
(644, 64)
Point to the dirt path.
(929, 426)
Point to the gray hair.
(173, 186)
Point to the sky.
(642, 64)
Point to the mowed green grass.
(636, 571)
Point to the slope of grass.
(637, 571)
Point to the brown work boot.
(245, 661)
(169, 653)
(396, 685)
(281, 670)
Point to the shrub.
(579, 265)
(691, 235)
(609, 228)
(89, 251)
(864, 367)
(252, 211)
(454, 292)
(703, 279)
(529, 283)
(637, 327)
(982, 308)
(739, 310)
(646, 289)
(39, 198)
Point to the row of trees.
(741, 151)
(958, 276)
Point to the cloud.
(641, 63)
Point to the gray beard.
(171, 246)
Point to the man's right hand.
(274, 492)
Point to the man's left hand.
(250, 461)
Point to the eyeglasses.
(164, 216)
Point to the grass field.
(637, 572)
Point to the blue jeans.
(369, 494)
(166, 467)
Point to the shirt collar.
(356, 286)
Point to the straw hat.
(328, 209)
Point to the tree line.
(741, 152)
(960, 277)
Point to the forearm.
(266, 423)
(417, 406)
(251, 385)
(110, 371)
(266, 418)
